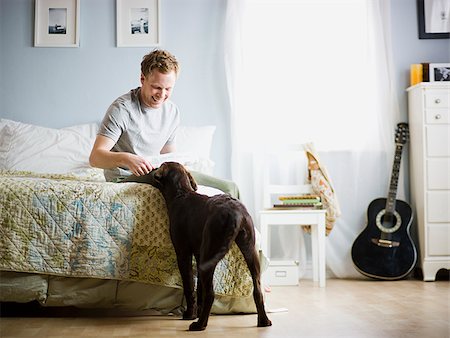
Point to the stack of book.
(299, 201)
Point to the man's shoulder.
(126, 103)
(127, 99)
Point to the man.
(141, 123)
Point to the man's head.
(159, 60)
(159, 71)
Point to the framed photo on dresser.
(439, 72)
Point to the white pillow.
(45, 150)
(192, 162)
(195, 140)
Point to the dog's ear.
(157, 175)
(156, 180)
(192, 181)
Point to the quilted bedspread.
(80, 227)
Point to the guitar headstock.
(402, 133)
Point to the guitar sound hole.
(388, 221)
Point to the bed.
(68, 238)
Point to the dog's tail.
(222, 235)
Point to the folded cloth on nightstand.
(322, 186)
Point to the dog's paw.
(264, 322)
(189, 314)
(196, 327)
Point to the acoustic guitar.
(384, 249)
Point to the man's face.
(157, 88)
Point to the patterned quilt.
(80, 227)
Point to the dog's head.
(173, 175)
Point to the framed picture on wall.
(433, 19)
(138, 23)
(439, 72)
(57, 23)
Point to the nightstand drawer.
(438, 174)
(437, 139)
(438, 116)
(437, 99)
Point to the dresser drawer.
(438, 243)
(438, 209)
(437, 98)
(437, 116)
(438, 174)
(438, 140)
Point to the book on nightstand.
(299, 201)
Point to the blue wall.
(58, 87)
(408, 49)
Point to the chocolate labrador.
(205, 227)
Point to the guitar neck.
(392, 194)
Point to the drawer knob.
(438, 117)
(437, 101)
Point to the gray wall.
(58, 87)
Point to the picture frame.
(138, 23)
(57, 23)
(439, 72)
(433, 19)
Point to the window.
(307, 74)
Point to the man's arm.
(102, 157)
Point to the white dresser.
(429, 125)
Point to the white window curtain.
(316, 71)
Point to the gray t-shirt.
(138, 129)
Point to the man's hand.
(138, 165)
(103, 157)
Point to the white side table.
(315, 218)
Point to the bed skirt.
(56, 291)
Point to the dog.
(205, 227)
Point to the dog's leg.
(206, 278)
(185, 266)
(199, 288)
(247, 247)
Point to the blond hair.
(160, 60)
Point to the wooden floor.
(345, 308)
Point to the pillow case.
(189, 160)
(195, 140)
(45, 150)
